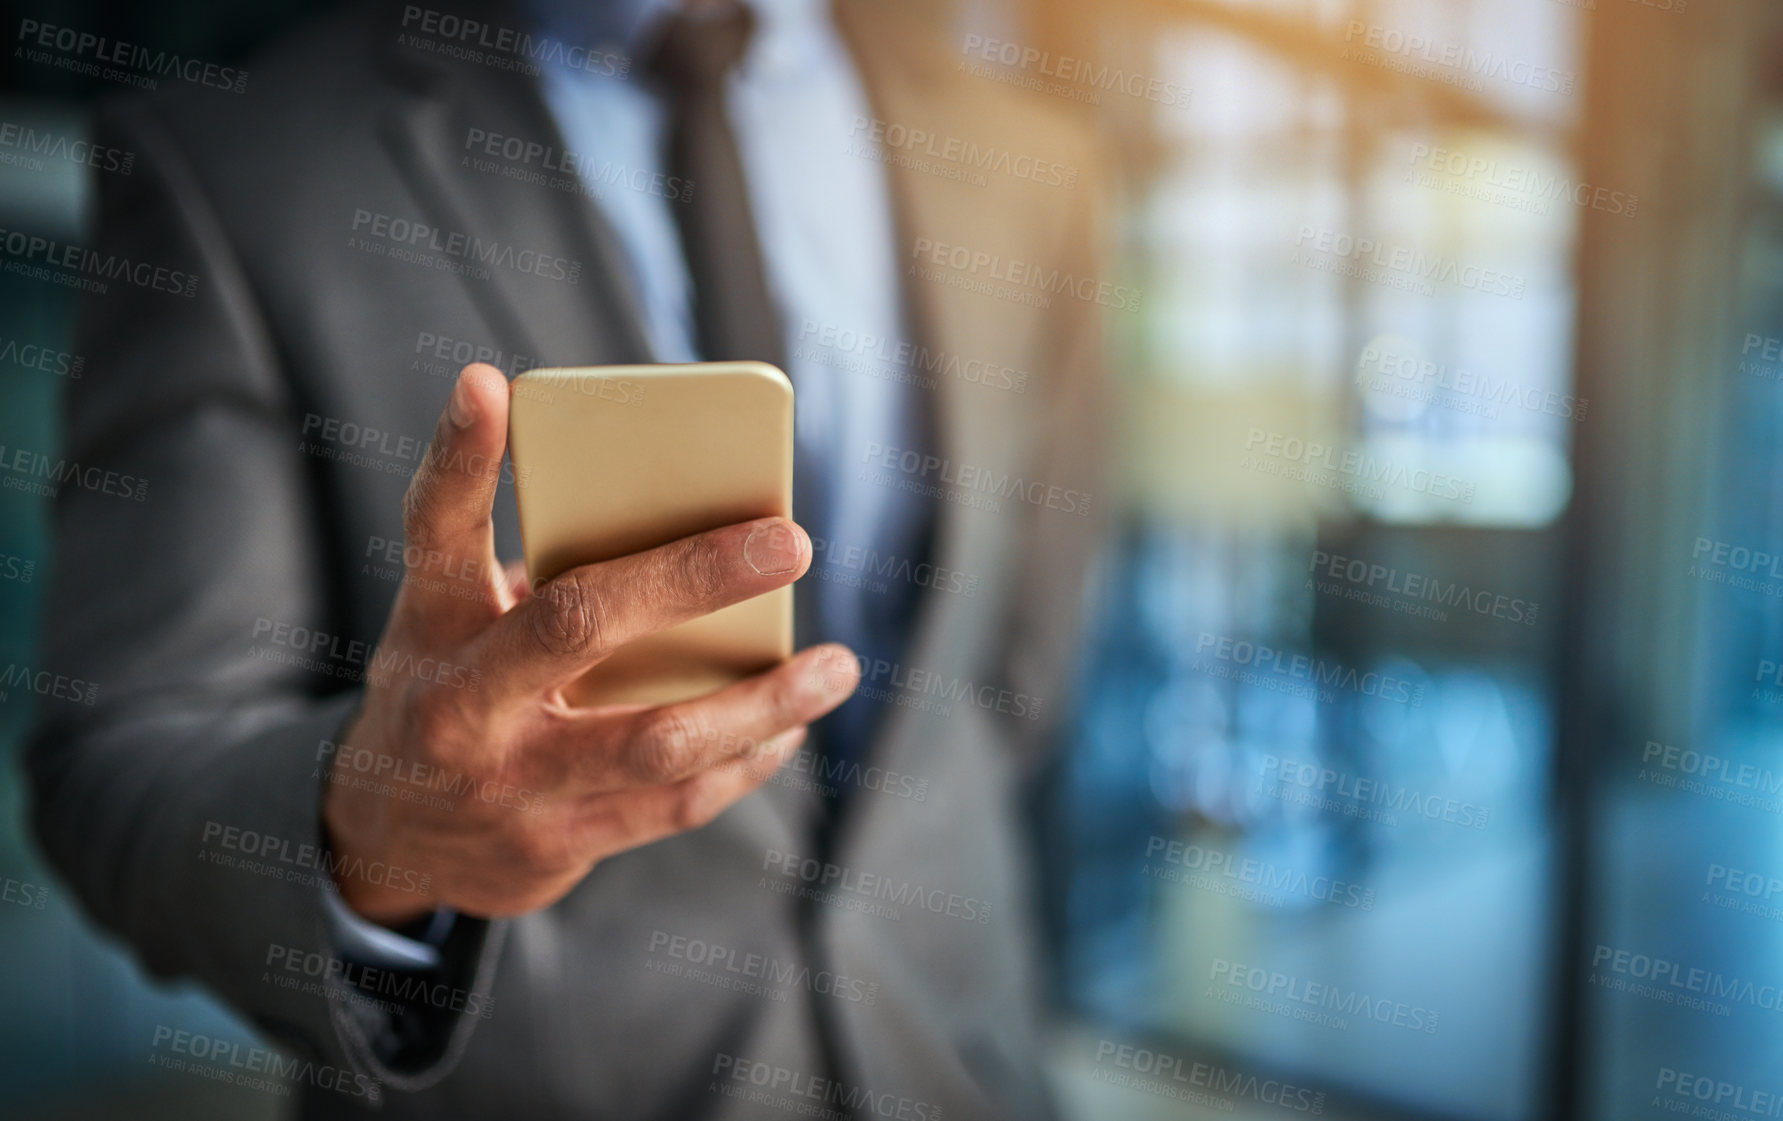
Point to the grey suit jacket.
(276, 408)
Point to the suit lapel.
(594, 320)
(910, 82)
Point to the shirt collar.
(783, 27)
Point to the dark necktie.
(691, 55)
(733, 316)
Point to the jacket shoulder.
(292, 101)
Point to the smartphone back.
(611, 460)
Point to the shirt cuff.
(365, 942)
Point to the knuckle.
(700, 569)
(435, 716)
(570, 617)
(669, 747)
(539, 847)
(696, 805)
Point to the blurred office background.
(1481, 822)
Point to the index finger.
(571, 622)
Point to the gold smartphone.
(612, 460)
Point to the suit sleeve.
(183, 804)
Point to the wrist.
(392, 910)
(367, 876)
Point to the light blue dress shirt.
(824, 217)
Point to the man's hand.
(466, 685)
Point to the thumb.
(449, 542)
